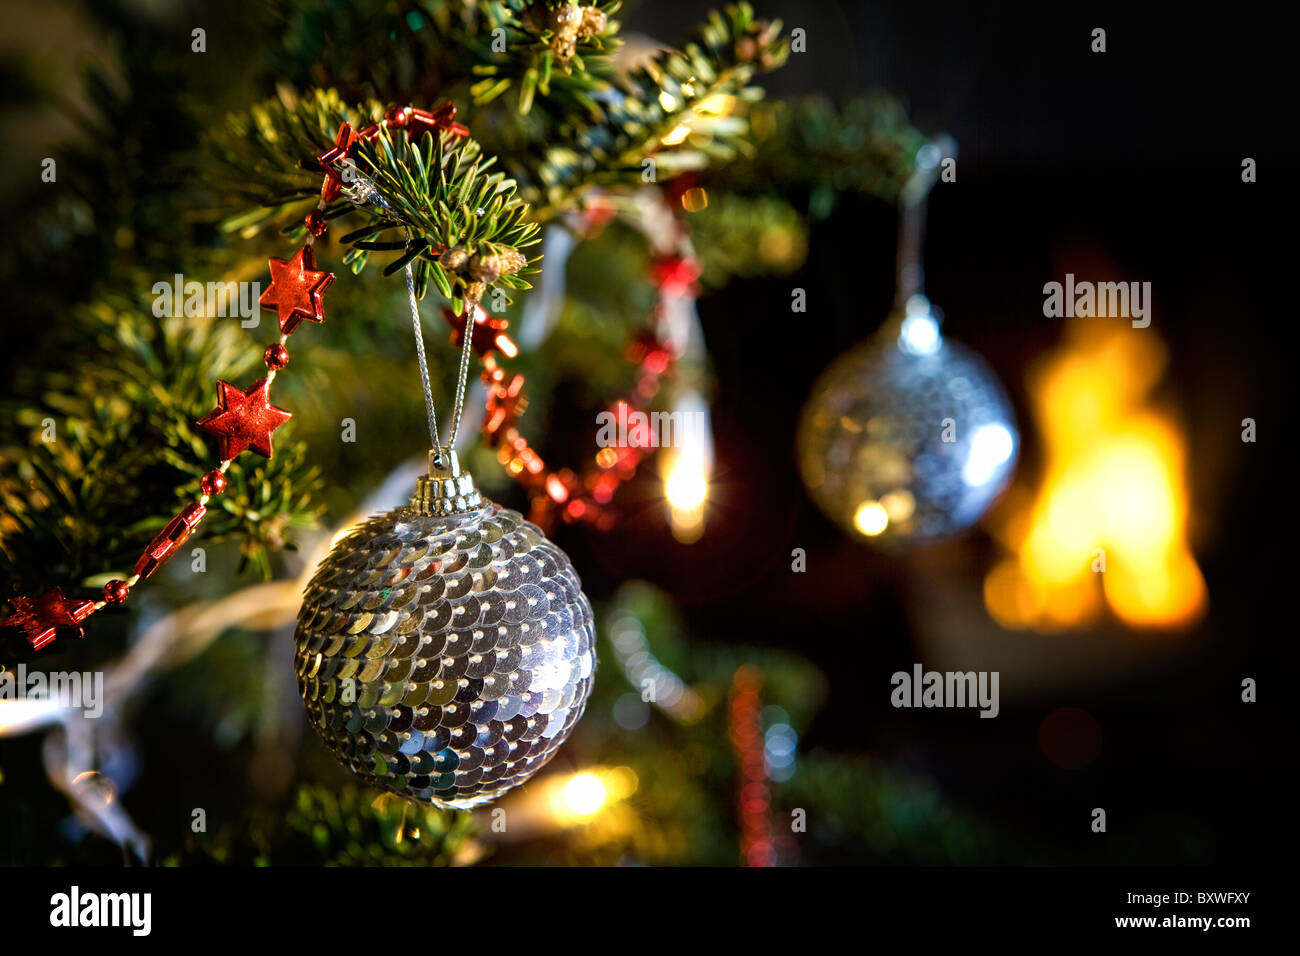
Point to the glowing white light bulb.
(686, 487)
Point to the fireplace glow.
(1108, 525)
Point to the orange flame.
(1108, 524)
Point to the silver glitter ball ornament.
(445, 650)
(908, 437)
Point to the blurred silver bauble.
(445, 650)
(908, 437)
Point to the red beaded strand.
(243, 420)
(573, 496)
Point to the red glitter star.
(296, 290)
(39, 618)
(244, 419)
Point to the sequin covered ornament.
(445, 650)
(909, 437)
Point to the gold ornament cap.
(445, 490)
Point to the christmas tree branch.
(104, 449)
(549, 88)
(433, 197)
(865, 145)
(674, 112)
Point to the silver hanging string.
(912, 199)
(424, 364)
(462, 376)
(362, 192)
(911, 235)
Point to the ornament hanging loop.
(439, 452)
(445, 490)
(462, 376)
(911, 218)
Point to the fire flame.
(1108, 524)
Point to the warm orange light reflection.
(1112, 492)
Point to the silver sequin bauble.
(908, 437)
(445, 657)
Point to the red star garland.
(675, 275)
(489, 333)
(444, 117)
(344, 143)
(573, 496)
(506, 401)
(247, 419)
(40, 617)
(415, 121)
(297, 290)
(244, 420)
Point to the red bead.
(277, 357)
(169, 540)
(397, 115)
(115, 592)
(213, 483)
(316, 223)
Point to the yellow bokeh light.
(582, 797)
(871, 518)
(695, 199)
(676, 135)
(899, 505)
(719, 104)
(584, 794)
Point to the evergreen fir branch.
(556, 133)
(525, 49)
(679, 109)
(423, 197)
(893, 816)
(866, 145)
(126, 454)
(338, 826)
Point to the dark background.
(1132, 157)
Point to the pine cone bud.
(566, 17)
(454, 259)
(754, 46)
(489, 268)
(593, 22)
